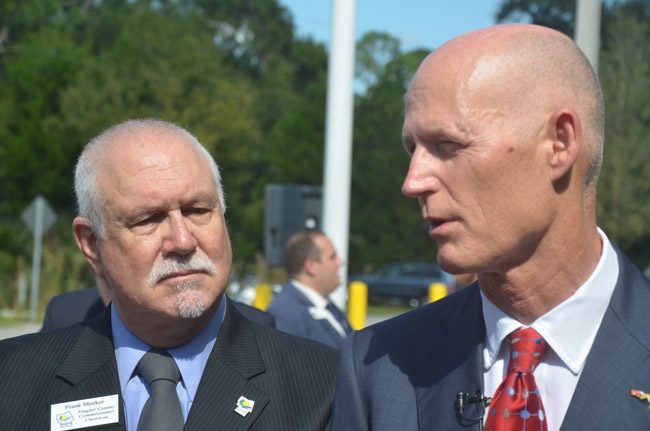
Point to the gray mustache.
(168, 267)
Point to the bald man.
(504, 130)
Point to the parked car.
(403, 283)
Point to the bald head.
(533, 70)
(92, 163)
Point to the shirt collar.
(314, 297)
(570, 328)
(190, 358)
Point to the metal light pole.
(587, 33)
(338, 135)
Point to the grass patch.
(387, 310)
(11, 317)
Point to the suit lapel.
(234, 360)
(90, 369)
(452, 364)
(619, 361)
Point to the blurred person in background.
(302, 307)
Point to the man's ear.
(309, 266)
(566, 141)
(86, 240)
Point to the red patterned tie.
(516, 405)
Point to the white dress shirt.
(569, 329)
(319, 310)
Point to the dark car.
(403, 283)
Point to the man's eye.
(196, 211)
(154, 218)
(447, 148)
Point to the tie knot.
(158, 365)
(526, 350)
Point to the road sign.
(30, 215)
(38, 217)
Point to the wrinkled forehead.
(133, 147)
(128, 155)
(470, 80)
(439, 88)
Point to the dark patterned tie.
(340, 317)
(517, 405)
(162, 411)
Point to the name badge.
(90, 412)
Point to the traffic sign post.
(38, 217)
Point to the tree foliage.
(624, 186)
(70, 69)
(235, 74)
(561, 14)
(381, 217)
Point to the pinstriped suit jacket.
(404, 374)
(290, 379)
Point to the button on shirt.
(190, 358)
(569, 329)
(320, 306)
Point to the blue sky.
(416, 23)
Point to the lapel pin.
(641, 395)
(244, 406)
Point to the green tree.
(560, 14)
(232, 72)
(385, 226)
(374, 51)
(624, 186)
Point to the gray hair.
(90, 204)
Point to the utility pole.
(587, 33)
(338, 135)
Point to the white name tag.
(90, 412)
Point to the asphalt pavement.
(27, 328)
(18, 329)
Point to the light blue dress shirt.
(190, 358)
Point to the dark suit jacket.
(74, 307)
(405, 373)
(291, 311)
(290, 379)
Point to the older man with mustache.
(171, 352)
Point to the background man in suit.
(151, 224)
(504, 129)
(302, 307)
(78, 305)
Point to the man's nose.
(179, 238)
(421, 177)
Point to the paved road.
(26, 328)
(18, 329)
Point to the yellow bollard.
(437, 291)
(263, 295)
(358, 304)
